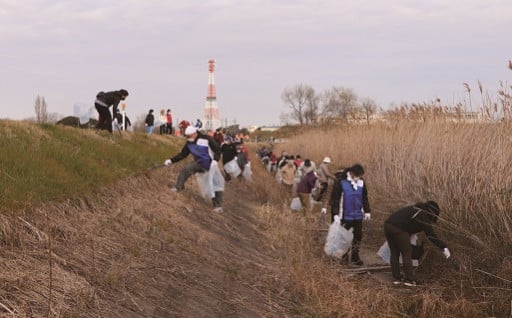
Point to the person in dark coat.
(206, 153)
(150, 122)
(228, 149)
(103, 103)
(218, 136)
(398, 229)
(306, 184)
(119, 117)
(349, 199)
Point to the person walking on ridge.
(103, 103)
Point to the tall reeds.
(465, 167)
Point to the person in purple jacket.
(306, 184)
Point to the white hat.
(190, 130)
(327, 160)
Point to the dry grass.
(135, 249)
(465, 167)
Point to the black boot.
(356, 260)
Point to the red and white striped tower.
(211, 118)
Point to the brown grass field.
(465, 167)
(135, 249)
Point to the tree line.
(307, 107)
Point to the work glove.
(446, 252)
(367, 216)
(214, 163)
(168, 162)
(324, 211)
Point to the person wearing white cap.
(323, 178)
(206, 153)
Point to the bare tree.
(369, 108)
(311, 113)
(302, 102)
(41, 109)
(340, 102)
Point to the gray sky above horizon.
(391, 51)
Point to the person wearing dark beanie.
(398, 229)
(349, 200)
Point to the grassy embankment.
(466, 168)
(51, 162)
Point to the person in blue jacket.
(206, 153)
(349, 200)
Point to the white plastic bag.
(339, 239)
(385, 253)
(204, 184)
(247, 174)
(210, 181)
(295, 205)
(232, 168)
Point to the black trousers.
(357, 227)
(105, 118)
(399, 243)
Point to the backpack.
(100, 94)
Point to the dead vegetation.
(138, 250)
(135, 249)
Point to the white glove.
(168, 162)
(324, 211)
(446, 252)
(214, 163)
(367, 216)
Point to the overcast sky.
(391, 51)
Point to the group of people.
(206, 152)
(108, 120)
(164, 122)
(348, 198)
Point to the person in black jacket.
(103, 103)
(228, 149)
(119, 117)
(398, 229)
(150, 122)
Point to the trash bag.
(315, 192)
(217, 180)
(247, 174)
(339, 239)
(232, 168)
(204, 184)
(210, 181)
(295, 205)
(417, 251)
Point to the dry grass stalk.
(462, 166)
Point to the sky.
(391, 51)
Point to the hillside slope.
(139, 250)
